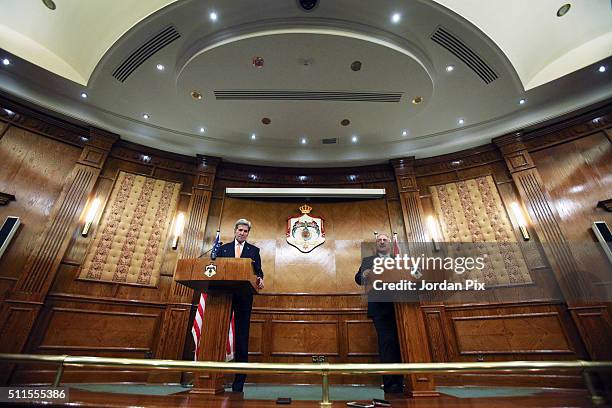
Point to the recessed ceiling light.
(266, 121)
(563, 10)
(258, 62)
(202, 129)
(354, 139)
(522, 101)
(461, 121)
(84, 139)
(404, 133)
(146, 115)
(8, 111)
(356, 66)
(253, 136)
(450, 68)
(602, 68)
(146, 158)
(196, 95)
(417, 99)
(303, 140)
(396, 17)
(213, 16)
(50, 4)
(160, 67)
(6, 61)
(84, 95)
(345, 122)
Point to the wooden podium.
(220, 278)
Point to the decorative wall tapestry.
(129, 243)
(472, 211)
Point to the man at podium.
(242, 303)
(383, 315)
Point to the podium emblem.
(304, 231)
(210, 270)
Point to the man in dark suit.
(242, 303)
(383, 315)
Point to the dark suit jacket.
(375, 309)
(248, 251)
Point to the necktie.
(238, 250)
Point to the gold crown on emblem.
(305, 209)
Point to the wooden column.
(23, 304)
(592, 319)
(174, 326)
(411, 328)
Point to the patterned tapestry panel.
(129, 243)
(472, 211)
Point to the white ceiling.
(549, 61)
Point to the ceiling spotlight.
(450, 68)
(6, 61)
(396, 17)
(602, 68)
(417, 99)
(356, 66)
(213, 16)
(266, 121)
(253, 136)
(522, 101)
(50, 4)
(202, 129)
(303, 140)
(146, 115)
(563, 10)
(84, 95)
(345, 122)
(354, 139)
(160, 67)
(461, 121)
(196, 95)
(8, 111)
(258, 62)
(404, 133)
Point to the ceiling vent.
(465, 54)
(144, 52)
(288, 95)
(331, 140)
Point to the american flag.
(196, 330)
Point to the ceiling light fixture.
(266, 121)
(356, 66)
(345, 122)
(253, 136)
(160, 67)
(522, 101)
(450, 68)
(354, 139)
(146, 116)
(303, 140)
(602, 68)
(396, 17)
(417, 99)
(196, 95)
(202, 129)
(404, 133)
(563, 10)
(84, 95)
(6, 61)
(50, 4)
(461, 121)
(213, 16)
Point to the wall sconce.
(520, 219)
(91, 214)
(179, 223)
(433, 232)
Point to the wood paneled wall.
(310, 305)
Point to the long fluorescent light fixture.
(307, 192)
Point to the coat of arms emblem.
(210, 270)
(304, 231)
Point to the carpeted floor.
(308, 392)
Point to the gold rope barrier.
(324, 369)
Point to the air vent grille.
(465, 54)
(144, 52)
(328, 141)
(289, 95)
